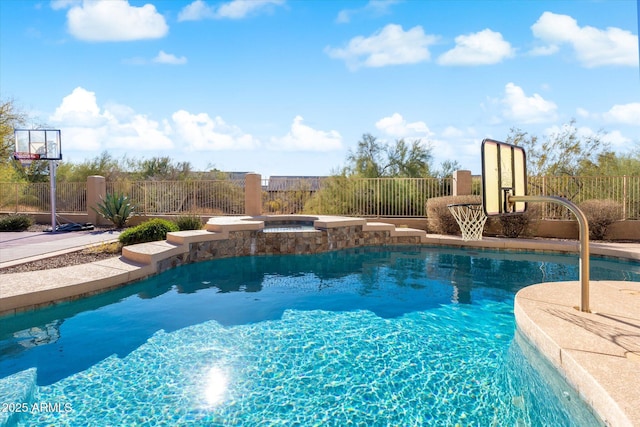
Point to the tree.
(104, 165)
(612, 164)
(447, 168)
(11, 117)
(163, 169)
(373, 159)
(565, 152)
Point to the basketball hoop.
(25, 158)
(40, 144)
(471, 218)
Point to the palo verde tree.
(12, 117)
(355, 191)
(572, 156)
(374, 159)
(565, 152)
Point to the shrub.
(149, 231)
(600, 214)
(515, 225)
(189, 222)
(441, 218)
(105, 248)
(116, 208)
(15, 222)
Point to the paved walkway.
(21, 247)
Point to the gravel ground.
(73, 258)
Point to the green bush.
(442, 221)
(189, 222)
(149, 231)
(600, 215)
(116, 208)
(15, 222)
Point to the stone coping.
(598, 353)
(593, 365)
(245, 223)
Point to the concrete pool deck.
(598, 352)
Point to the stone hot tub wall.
(340, 234)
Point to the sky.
(288, 87)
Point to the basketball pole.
(52, 179)
(583, 224)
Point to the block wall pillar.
(461, 183)
(253, 194)
(96, 191)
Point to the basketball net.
(471, 219)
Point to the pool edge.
(593, 351)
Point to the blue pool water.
(373, 336)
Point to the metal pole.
(584, 240)
(52, 178)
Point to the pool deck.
(598, 352)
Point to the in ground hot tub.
(287, 226)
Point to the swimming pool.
(369, 336)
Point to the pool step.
(395, 231)
(16, 391)
(194, 236)
(152, 252)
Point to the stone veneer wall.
(244, 243)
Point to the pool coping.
(607, 380)
(598, 353)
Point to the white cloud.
(373, 7)
(453, 132)
(544, 50)
(199, 132)
(113, 20)
(396, 126)
(304, 138)
(79, 109)
(86, 127)
(63, 4)
(389, 46)
(168, 58)
(526, 109)
(196, 11)
(628, 114)
(482, 48)
(582, 112)
(238, 9)
(593, 47)
(235, 9)
(616, 139)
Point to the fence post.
(461, 183)
(625, 195)
(96, 191)
(253, 194)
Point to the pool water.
(370, 336)
(288, 226)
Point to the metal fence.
(36, 197)
(623, 191)
(366, 197)
(216, 197)
(379, 197)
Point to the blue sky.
(288, 87)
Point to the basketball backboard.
(37, 144)
(504, 174)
